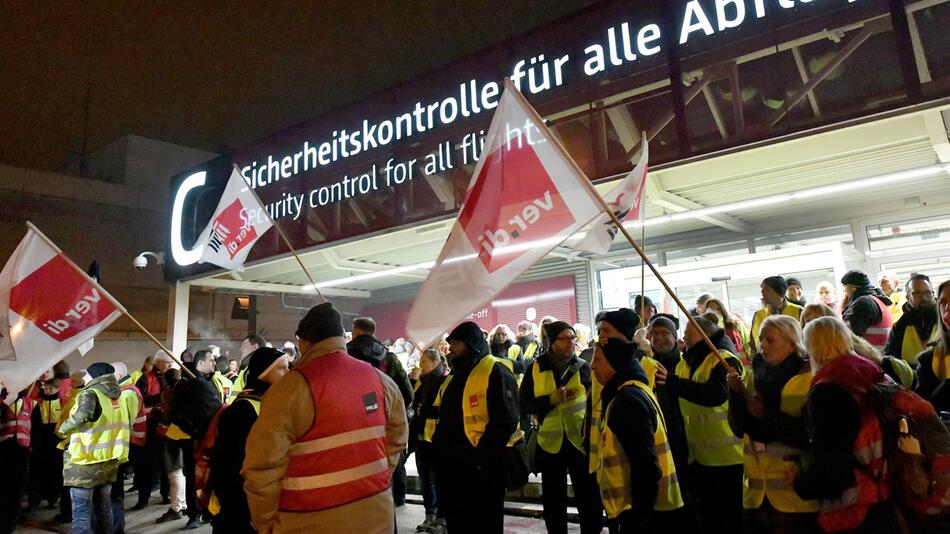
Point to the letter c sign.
(179, 254)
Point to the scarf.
(769, 380)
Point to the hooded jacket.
(922, 321)
(88, 410)
(633, 420)
(862, 312)
(368, 349)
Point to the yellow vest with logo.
(765, 464)
(597, 409)
(104, 439)
(912, 345)
(50, 411)
(613, 470)
(711, 441)
(790, 309)
(475, 400)
(565, 419)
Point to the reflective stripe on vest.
(342, 457)
(24, 421)
(565, 419)
(50, 411)
(613, 472)
(940, 363)
(135, 406)
(912, 345)
(765, 465)
(475, 399)
(850, 509)
(877, 334)
(711, 441)
(104, 439)
(790, 309)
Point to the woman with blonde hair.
(847, 473)
(766, 411)
(895, 368)
(502, 341)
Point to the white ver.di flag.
(526, 196)
(626, 201)
(238, 222)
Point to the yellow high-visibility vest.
(613, 471)
(912, 345)
(50, 411)
(765, 465)
(565, 419)
(226, 390)
(711, 441)
(475, 400)
(941, 363)
(649, 365)
(791, 310)
(104, 439)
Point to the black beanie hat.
(777, 283)
(321, 322)
(258, 363)
(99, 369)
(551, 330)
(619, 353)
(670, 317)
(61, 369)
(625, 320)
(470, 334)
(639, 302)
(855, 278)
(663, 322)
(792, 281)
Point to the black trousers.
(12, 482)
(46, 474)
(717, 494)
(473, 495)
(554, 471)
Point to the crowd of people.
(712, 425)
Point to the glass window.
(928, 231)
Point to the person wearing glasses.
(917, 327)
(554, 392)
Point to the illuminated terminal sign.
(405, 155)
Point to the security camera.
(140, 262)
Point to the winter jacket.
(862, 312)
(710, 393)
(633, 420)
(922, 321)
(450, 440)
(670, 405)
(540, 406)
(774, 425)
(194, 403)
(370, 350)
(88, 410)
(929, 386)
(429, 385)
(225, 479)
(287, 413)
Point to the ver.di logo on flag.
(517, 202)
(223, 233)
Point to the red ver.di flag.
(48, 308)
(626, 200)
(526, 196)
(238, 222)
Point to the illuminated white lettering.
(695, 19)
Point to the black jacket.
(429, 385)
(921, 321)
(774, 425)
(929, 386)
(194, 403)
(502, 396)
(834, 420)
(226, 460)
(539, 407)
(370, 350)
(633, 420)
(711, 393)
(862, 311)
(670, 405)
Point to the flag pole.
(112, 299)
(283, 236)
(613, 216)
(643, 297)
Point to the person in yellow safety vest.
(249, 344)
(772, 291)
(478, 416)
(554, 392)
(99, 429)
(503, 345)
(527, 341)
(662, 334)
(132, 401)
(432, 373)
(933, 365)
(715, 453)
(225, 483)
(766, 409)
(917, 328)
(889, 284)
(636, 475)
(46, 460)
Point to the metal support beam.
(803, 73)
(714, 109)
(177, 330)
(937, 131)
(220, 283)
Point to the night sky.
(215, 74)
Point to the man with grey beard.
(917, 328)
